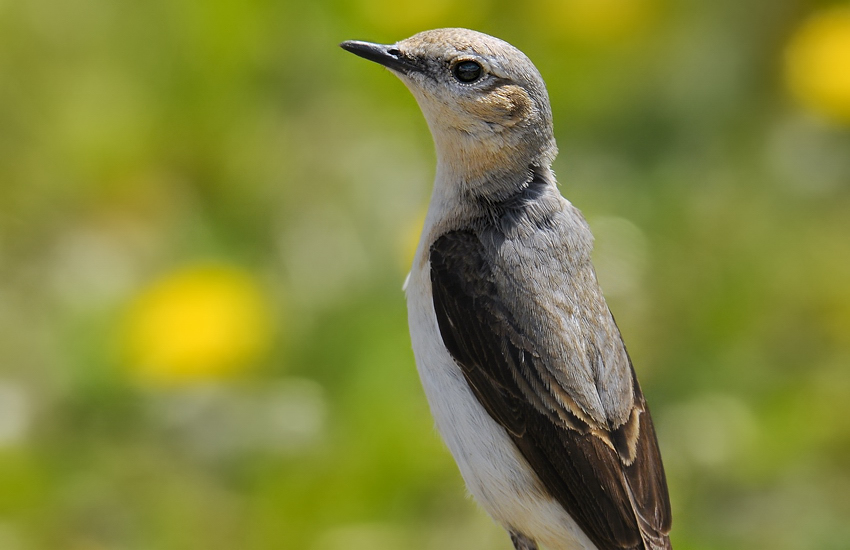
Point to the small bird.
(524, 368)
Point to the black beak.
(386, 55)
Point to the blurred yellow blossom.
(409, 239)
(818, 64)
(198, 323)
(598, 20)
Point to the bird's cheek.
(505, 106)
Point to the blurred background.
(207, 211)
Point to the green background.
(140, 137)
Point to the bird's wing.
(609, 478)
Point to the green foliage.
(139, 139)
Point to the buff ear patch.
(504, 106)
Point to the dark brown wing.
(611, 481)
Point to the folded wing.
(608, 477)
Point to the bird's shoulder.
(526, 260)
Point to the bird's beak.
(386, 55)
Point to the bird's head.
(484, 100)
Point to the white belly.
(495, 472)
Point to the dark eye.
(467, 71)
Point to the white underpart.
(495, 472)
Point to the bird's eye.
(467, 71)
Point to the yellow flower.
(409, 240)
(817, 64)
(598, 20)
(201, 322)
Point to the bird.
(522, 363)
